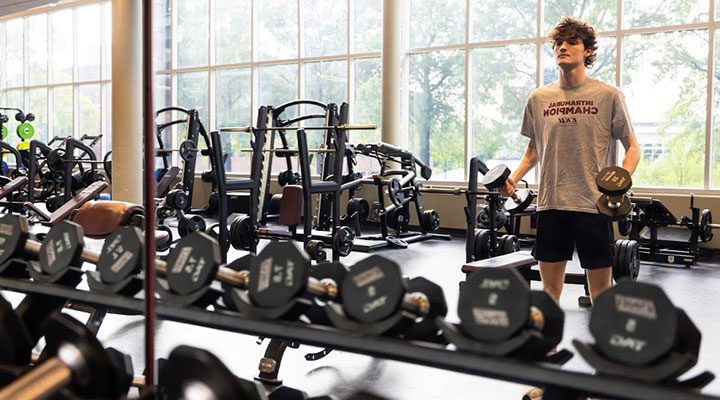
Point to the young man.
(573, 124)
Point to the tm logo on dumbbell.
(194, 267)
(377, 303)
(499, 284)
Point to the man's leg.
(599, 279)
(553, 277)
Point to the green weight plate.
(278, 274)
(25, 131)
(4, 132)
(62, 247)
(193, 263)
(120, 254)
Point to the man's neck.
(572, 77)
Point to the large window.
(56, 66)
(468, 81)
(227, 58)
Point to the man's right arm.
(527, 162)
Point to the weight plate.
(483, 218)
(615, 266)
(14, 233)
(525, 197)
(624, 226)
(553, 320)
(25, 131)
(427, 328)
(398, 218)
(395, 192)
(372, 289)
(4, 132)
(187, 150)
(274, 205)
(634, 323)
(501, 245)
(343, 240)
(511, 244)
(360, 206)
(62, 247)
(191, 223)
(242, 233)
(120, 254)
(431, 220)
(613, 181)
(496, 177)
(705, 232)
(603, 206)
(482, 244)
(279, 273)
(494, 304)
(193, 263)
(632, 259)
(190, 365)
(15, 343)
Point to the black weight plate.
(274, 205)
(613, 181)
(483, 218)
(187, 150)
(511, 244)
(395, 192)
(372, 289)
(431, 220)
(525, 197)
(434, 294)
(634, 323)
(190, 365)
(193, 263)
(15, 344)
(624, 226)
(603, 206)
(553, 319)
(632, 259)
(494, 304)
(501, 245)
(14, 233)
(333, 271)
(615, 266)
(343, 240)
(481, 248)
(496, 177)
(278, 274)
(360, 206)
(427, 328)
(398, 218)
(121, 254)
(705, 231)
(62, 247)
(242, 233)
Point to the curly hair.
(570, 27)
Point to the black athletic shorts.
(559, 232)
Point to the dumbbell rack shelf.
(562, 382)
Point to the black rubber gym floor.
(695, 289)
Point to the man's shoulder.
(602, 86)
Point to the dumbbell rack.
(557, 382)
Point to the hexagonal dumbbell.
(194, 373)
(519, 200)
(640, 334)
(76, 361)
(374, 292)
(613, 182)
(498, 309)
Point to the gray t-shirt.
(575, 131)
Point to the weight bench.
(523, 262)
(66, 209)
(291, 206)
(167, 179)
(13, 186)
(101, 218)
